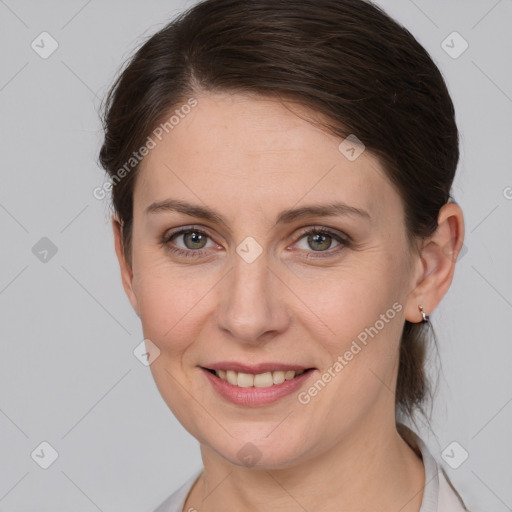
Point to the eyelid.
(185, 229)
(327, 230)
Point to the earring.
(425, 317)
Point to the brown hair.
(346, 60)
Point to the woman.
(281, 174)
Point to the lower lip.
(253, 396)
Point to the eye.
(320, 239)
(193, 239)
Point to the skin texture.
(249, 158)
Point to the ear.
(126, 269)
(436, 263)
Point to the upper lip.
(255, 368)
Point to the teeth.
(245, 380)
(278, 377)
(260, 380)
(231, 377)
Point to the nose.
(253, 306)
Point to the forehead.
(237, 151)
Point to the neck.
(368, 469)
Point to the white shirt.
(438, 495)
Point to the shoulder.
(176, 501)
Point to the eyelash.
(345, 241)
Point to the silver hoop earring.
(425, 317)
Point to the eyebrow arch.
(284, 217)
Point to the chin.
(259, 451)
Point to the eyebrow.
(336, 208)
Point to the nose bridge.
(251, 303)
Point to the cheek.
(360, 358)
(170, 302)
(360, 315)
(172, 315)
(348, 301)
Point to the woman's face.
(250, 290)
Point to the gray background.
(68, 375)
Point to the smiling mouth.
(259, 380)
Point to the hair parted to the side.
(345, 60)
